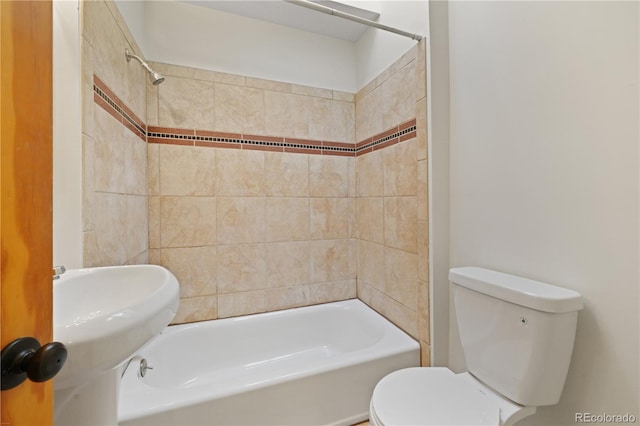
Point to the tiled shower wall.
(259, 195)
(114, 158)
(250, 228)
(392, 203)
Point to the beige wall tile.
(187, 221)
(371, 264)
(88, 182)
(405, 59)
(367, 88)
(240, 173)
(371, 219)
(152, 104)
(421, 129)
(287, 264)
(331, 120)
(425, 354)
(139, 259)
(240, 220)
(173, 70)
(344, 96)
(353, 218)
(329, 260)
(423, 250)
(421, 69)
(218, 77)
(153, 169)
(400, 223)
(108, 52)
(239, 109)
(351, 178)
(186, 103)
(423, 312)
(109, 153)
(367, 294)
(194, 267)
(242, 268)
(369, 115)
(86, 20)
(332, 291)
(287, 175)
(287, 219)
(423, 190)
(244, 303)
(187, 170)
(353, 258)
(286, 114)
(398, 96)
(401, 276)
(328, 176)
(329, 218)
(108, 245)
(90, 251)
(135, 232)
(315, 92)
(154, 256)
(87, 87)
(154, 222)
(369, 175)
(195, 309)
(394, 311)
(260, 83)
(400, 169)
(135, 164)
(287, 297)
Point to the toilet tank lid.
(521, 291)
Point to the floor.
(362, 424)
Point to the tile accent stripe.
(117, 108)
(106, 99)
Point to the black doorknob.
(25, 358)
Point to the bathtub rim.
(394, 342)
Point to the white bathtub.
(315, 365)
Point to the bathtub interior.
(321, 351)
(279, 343)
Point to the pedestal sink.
(103, 316)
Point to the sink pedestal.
(94, 403)
(103, 316)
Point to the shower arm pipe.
(142, 62)
(331, 11)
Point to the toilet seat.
(437, 396)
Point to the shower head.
(156, 78)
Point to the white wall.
(67, 136)
(378, 49)
(189, 35)
(133, 12)
(195, 36)
(544, 173)
(438, 137)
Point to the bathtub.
(315, 365)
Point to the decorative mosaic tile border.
(105, 98)
(111, 103)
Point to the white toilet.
(517, 336)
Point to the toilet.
(517, 337)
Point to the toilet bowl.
(517, 338)
(438, 396)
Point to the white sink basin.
(104, 315)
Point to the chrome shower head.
(156, 78)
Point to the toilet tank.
(517, 334)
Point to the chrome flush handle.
(58, 270)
